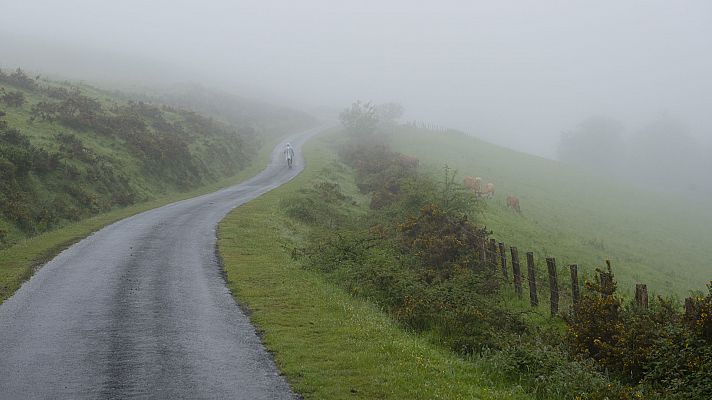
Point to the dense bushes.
(444, 242)
(12, 98)
(39, 189)
(18, 78)
(661, 347)
(73, 110)
(413, 252)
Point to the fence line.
(516, 270)
(493, 255)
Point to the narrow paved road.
(140, 310)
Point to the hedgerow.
(661, 347)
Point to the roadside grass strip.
(19, 262)
(329, 344)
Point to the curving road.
(140, 310)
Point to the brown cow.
(489, 191)
(513, 203)
(473, 184)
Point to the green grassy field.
(576, 217)
(329, 344)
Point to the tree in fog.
(389, 113)
(361, 119)
(596, 144)
(664, 154)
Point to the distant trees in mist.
(364, 119)
(661, 154)
(596, 143)
(389, 113)
(361, 119)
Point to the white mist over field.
(516, 73)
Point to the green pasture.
(651, 238)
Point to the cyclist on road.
(289, 154)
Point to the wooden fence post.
(493, 253)
(503, 260)
(531, 277)
(575, 294)
(641, 295)
(553, 285)
(516, 271)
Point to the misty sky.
(516, 73)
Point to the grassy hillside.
(68, 152)
(577, 217)
(74, 158)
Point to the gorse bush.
(442, 241)
(660, 347)
(80, 179)
(680, 358)
(75, 111)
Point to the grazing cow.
(513, 203)
(473, 184)
(489, 191)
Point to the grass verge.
(327, 343)
(18, 263)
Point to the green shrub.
(415, 253)
(318, 205)
(549, 373)
(442, 241)
(12, 99)
(18, 78)
(658, 347)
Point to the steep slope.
(577, 217)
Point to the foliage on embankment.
(414, 252)
(329, 344)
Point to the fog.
(516, 73)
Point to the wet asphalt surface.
(140, 310)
